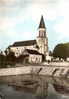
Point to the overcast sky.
(19, 20)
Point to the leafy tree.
(7, 59)
(7, 51)
(2, 60)
(61, 51)
(10, 58)
(50, 53)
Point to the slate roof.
(24, 43)
(42, 23)
(33, 52)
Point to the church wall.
(43, 45)
(35, 58)
(18, 50)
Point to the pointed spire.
(42, 23)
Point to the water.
(33, 87)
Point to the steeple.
(42, 28)
(42, 40)
(42, 24)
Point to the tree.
(2, 60)
(61, 51)
(10, 58)
(7, 51)
(7, 59)
(50, 53)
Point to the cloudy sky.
(19, 20)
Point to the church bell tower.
(42, 40)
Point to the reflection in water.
(61, 89)
(39, 87)
(35, 85)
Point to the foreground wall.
(14, 71)
(49, 70)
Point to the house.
(33, 56)
(35, 48)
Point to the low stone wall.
(20, 70)
(48, 70)
(14, 71)
(59, 63)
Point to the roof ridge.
(25, 41)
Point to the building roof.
(24, 43)
(33, 52)
(42, 23)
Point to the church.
(33, 50)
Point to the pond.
(33, 87)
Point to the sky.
(19, 20)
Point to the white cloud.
(35, 11)
(50, 9)
(62, 27)
(6, 23)
(8, 3)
